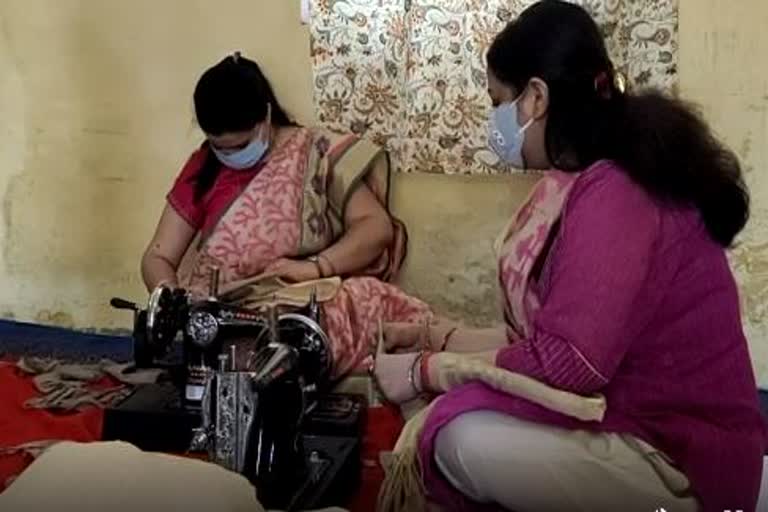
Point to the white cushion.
(118, 477)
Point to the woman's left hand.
(294, 271)
(391, 372)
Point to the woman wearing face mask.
(617, 291)
(265, 197)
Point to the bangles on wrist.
(411, 373)
(427, 338)
(447, 338)
(426, 385)
(318, 260)
(323, 258)
(421, 385)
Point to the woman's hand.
(405, 336)
(409, 337)
(294, 271)
(392, 375)
(166, 249)
(398, 376)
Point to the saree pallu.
(294, 208)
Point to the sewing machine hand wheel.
(312, 345)
(162, 318)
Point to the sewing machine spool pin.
(233, 358)
(314, 307)
(272, 320)
(213, 284)
(223, 360)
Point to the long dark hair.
(232, 96)
(662, 143)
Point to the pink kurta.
(637, 302)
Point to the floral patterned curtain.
(410, 74)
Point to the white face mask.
(505, 135)
(251, 154)
(245, 158)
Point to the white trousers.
(525, 467)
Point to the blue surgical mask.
(244, 158)
(505, 134)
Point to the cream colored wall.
(96, 118)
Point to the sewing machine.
(249, 388)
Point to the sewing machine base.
(331, 477)
(154, 418)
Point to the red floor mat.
(19, 425)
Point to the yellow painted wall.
(96, 118)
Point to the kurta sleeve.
(597, 298)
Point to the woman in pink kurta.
(265, 196)
(615, 282)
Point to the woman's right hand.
(294, 271)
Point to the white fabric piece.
(118, 477)
(762, 502)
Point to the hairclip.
(236, 57)
(620, 82)
(604, 86)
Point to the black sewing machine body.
(248, 387)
